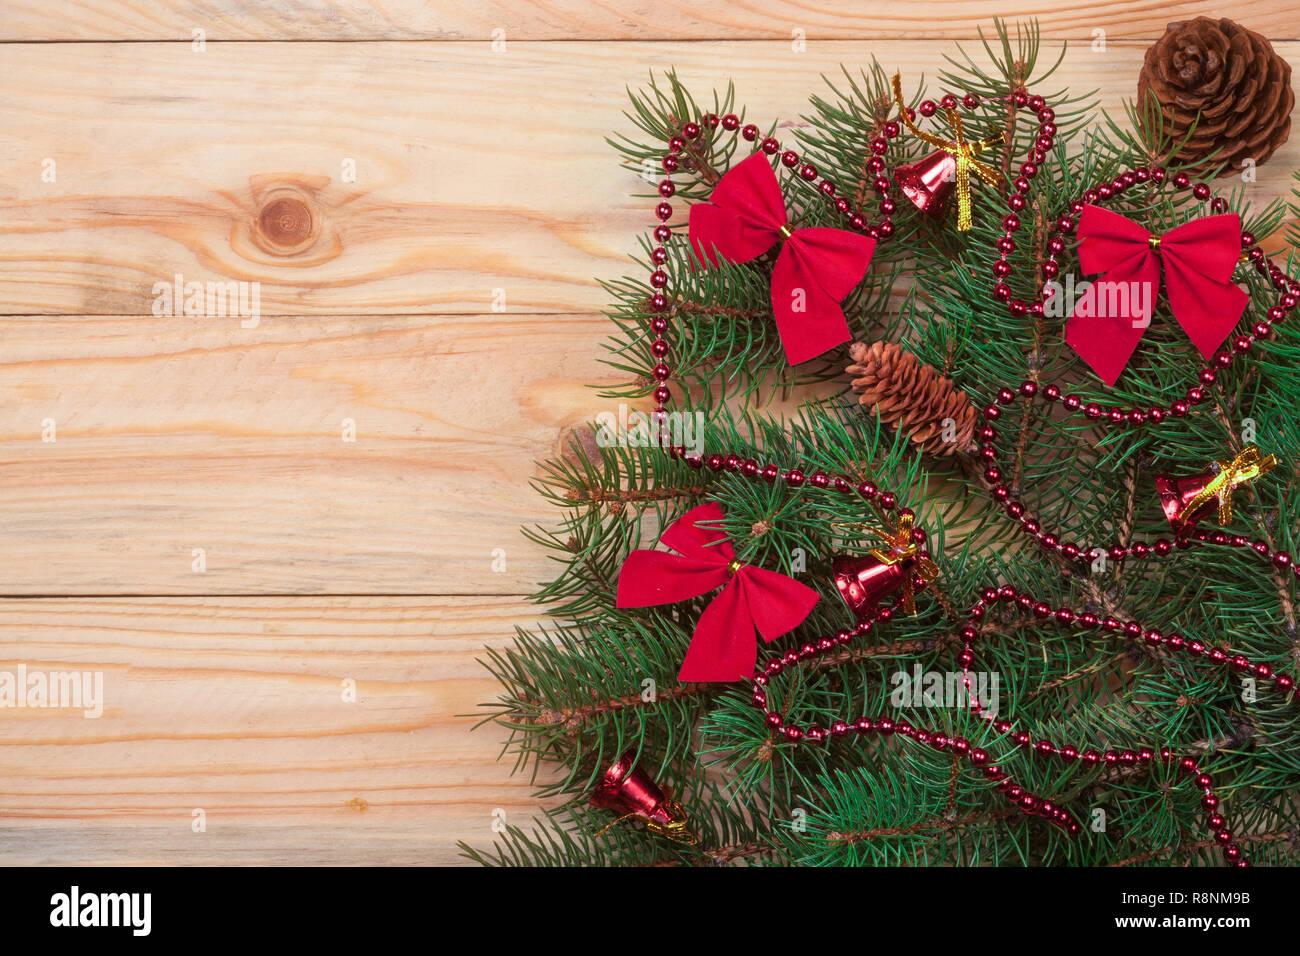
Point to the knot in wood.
(285, 221)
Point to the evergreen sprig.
(602, 679)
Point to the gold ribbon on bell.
(899, 547)
(1247, 466)
(963, 153)
(677, 829)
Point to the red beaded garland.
(883, 502)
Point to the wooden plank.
(618, 20)
(177, 434)
(236, 707)
(479, 175)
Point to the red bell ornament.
(628, 789)
(864, 581)
(1187, 501)
(929, 182)
(1177, 493)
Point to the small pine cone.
(1232, 76)
(912, 397)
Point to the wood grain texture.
(176, 434)
(476, 171)
(475, 20)
(235, 707)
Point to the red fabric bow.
(723, 646)
(1198, 259)
(815, 269)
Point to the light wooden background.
(476, 171)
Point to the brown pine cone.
(1241, 88)
(912, 397)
